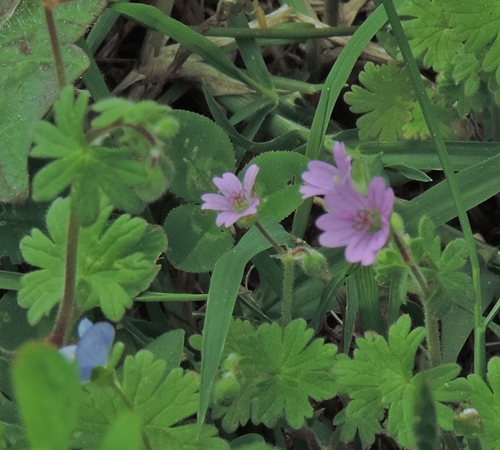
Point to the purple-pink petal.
(342, 160)
(249, 179)
(235, 200)
(228, 184)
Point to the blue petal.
(83, 326)
(68, 352)
(93, 348)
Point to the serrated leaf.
(277, 184)
(278, 371)
(28, 79)
(161, 401)
(112, 265)
(380, 377)
(477, 27)
(199, 151)
(430, 32)
(136, 172)
(196, 243)
(486, 400)
(385, 101)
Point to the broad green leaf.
(196, 243)
(162, 402)
(199, 151)
(47, 391)
(277, 183)
(278, 371)
(28, 79)
(486, 400)
(380, 377)
(115, 262)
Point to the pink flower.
(361, 223)
(236, 200)
(322, 178)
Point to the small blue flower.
(93, 347)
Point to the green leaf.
(199, 151)
(486, 400)
(430, 32)
(47, 391)
(380, 377)
(386, 101)
(278, 182)
(196, 243)
(137, 172)
(477, 26)
(162, 402)
(426, 428)
(278, 371)
(224, 287)
(115, 262)
(28, 80)
(125, 433)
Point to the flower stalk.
(64, 315)
(431, 323)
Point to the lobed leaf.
(278, 371)
(115, 262)
(162, 401)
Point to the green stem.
(431, 323)
(65, 312)
(434, 127)
(129, 405)
(286, 306)
(54, 42)
(10, 280)
(332, 12)
(294, 34)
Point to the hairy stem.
(54, 42)
(286, 307)
(64, 315)
(275, 245)
(431, 323)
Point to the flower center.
(240, 203)
(367, 221)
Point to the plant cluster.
(100, 350)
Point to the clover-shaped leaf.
(277, 371)
(162, 401)
(380, 378)
(115, 262)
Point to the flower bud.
(313, 263)
(226, 390)
(468, 423)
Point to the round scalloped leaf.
(195, 242)
(278, 181)
(199, 151)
